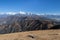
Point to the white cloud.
(11, 13)
(21, 12)
(28, 13)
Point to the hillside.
(32, 35)
(21, 23)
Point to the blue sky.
(40, 6)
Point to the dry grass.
(32, 35)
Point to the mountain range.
(20, 22)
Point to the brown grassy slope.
(32, 35)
